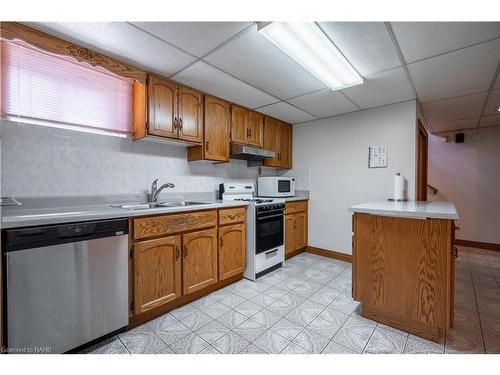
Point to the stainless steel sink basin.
(147, 206)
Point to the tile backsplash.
(43, 161)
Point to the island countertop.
(414, 209)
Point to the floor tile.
(266, 318)
(344, 304)
(212, 331)
(262, 300)
(230, 343)
(109, 346)
(203, 302)
(325, 295)
(209, 350)
(216, 310)
(418, 345)
(293, 348)
(196, 320)
(252, 349)
(274, 292)
(362, 326)
(300, 317)
(271, 342)
(311, 341)
(334, 316)
(248, 308)
(287, 328)
(149, 345)
(173, 332)
(135, 334)
(231, 319)
(184, 311)
(375, 347)
(391, 338)
(311, 307)
(246, 293)
(161, 322)
(336, 348)
(232, 300)
(323, 327)
(189, 344)
(250, 330)
(350, 339)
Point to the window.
(52, 90)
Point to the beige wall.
(331, 158)
(468, 174)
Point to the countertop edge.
(408, 214)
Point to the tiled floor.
(306, 307)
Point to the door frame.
(421, 162)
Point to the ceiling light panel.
(305, 43)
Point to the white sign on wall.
(377, 157)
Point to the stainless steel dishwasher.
(65, 285)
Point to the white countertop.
(16, 217)
(417, 209)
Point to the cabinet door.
(190, 114)
(162, 97)
(199, 260)
(157, 272)
(239, 124)
(300, 230)
(217, 125)
(255, 129)
(289, 234)
(271, 142)
(231, 250)
(285, 145)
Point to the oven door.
(269, 230)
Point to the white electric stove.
(265, 227)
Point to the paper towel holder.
(397, 200)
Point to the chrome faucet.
(155, 191)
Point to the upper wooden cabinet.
(246, 126)
(157, 272)
(174, 111)
(215, 145)
(278, 138)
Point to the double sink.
(150, 205)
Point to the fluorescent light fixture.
(307, 44)
(498, 108)
(58, 125)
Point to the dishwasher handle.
(26, 238)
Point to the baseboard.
(329, 254)
(293, 253)
(479, 245)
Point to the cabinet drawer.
(166, 224)
(232, 215)
(297, 206)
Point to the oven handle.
(272, 252)
(269, 216)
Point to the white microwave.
(273, 186)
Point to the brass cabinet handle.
(180, 124)
(457, 228)
(455, 252)
(250, 131)
(221, 242)
(176, 124)
(177, 252)
(206, 145)
(185, 251)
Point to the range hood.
(253, 155)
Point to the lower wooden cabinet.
(295, 226)
(157, 272)
(232, 244)
(199, 260)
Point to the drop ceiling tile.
(420, 40)
(384, 88)
(254, 59)
(493, 103)
(286, 112)
(442, 126)
(456, 73)
(455, 109)
(324, 103)
(197, 38)
(490, 121)
(211, 80)
(123, 41)
(366, 45)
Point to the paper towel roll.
(399, 187)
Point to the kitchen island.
(403, 264)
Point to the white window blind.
(43, 88)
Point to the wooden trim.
(421, 162)
(388, 318)
(329, 254)
(296, 252)
(139, 110)
(478, 245)
(52, 44)
(136, 320)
